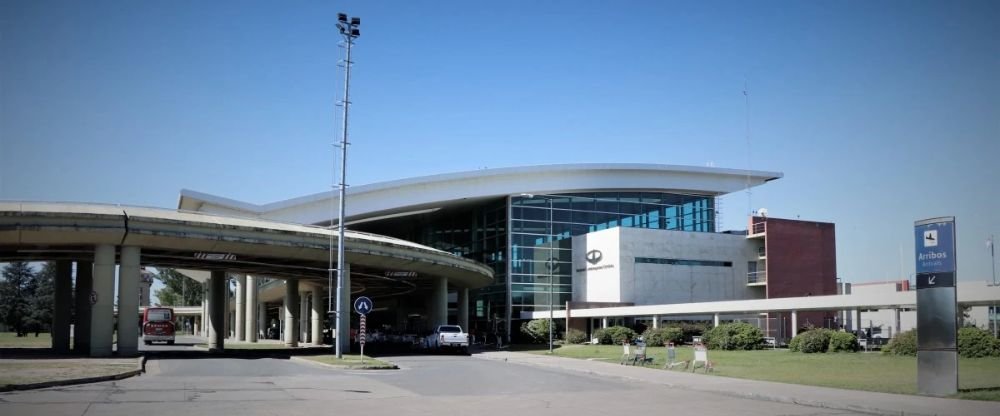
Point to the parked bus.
(158, 325)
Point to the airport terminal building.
(582, 235)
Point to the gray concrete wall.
(650, 283)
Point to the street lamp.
(993, 262)
(550, 264)
(348, 28)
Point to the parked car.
(450, 337)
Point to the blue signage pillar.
(937, 317)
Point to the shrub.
(734, 336)
(537, 330)
(602, 335)
(843, 342)
(975, 343)
(905, 343)
(812, 341)
(659, 337)
(575, 336)
(691, 330)
(795, 344)
(614, 335)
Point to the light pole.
(348, 28)
(993, 262)
(550, 265)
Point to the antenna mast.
(746, 103)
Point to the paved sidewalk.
(822, 397)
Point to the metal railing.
(758, 228)
(757, 277)
(761, 251)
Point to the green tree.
(178, 289)
(15, 293)
(41, 303)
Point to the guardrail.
(757, 277)
(758, 228)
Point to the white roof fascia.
(430, 192)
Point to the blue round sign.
(363, 305)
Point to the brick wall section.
(801, 258)
(801, 261)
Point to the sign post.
(362, 305)
(937, 334)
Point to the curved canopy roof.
(168, 238)
(415, 195)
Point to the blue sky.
(878, 113)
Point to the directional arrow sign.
(363, 305)
(933, 280)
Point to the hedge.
(537, 330)
(904, 343)
(575, 336)
(661, 336)
(614, 335)
(811, 341)
(734, 336)
(843, 342)
(977, 343)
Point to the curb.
(340, 367)
(140, 368)
(750, 396)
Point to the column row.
(93, 299)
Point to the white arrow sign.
(930, 280)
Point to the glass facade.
(527, 241)
(542, 227)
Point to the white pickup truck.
(448, 336)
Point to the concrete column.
(463, 308)
(102, 299)
(437, 307)
(857, 321)
(304, 316)
(204, 311)
(241, 289)
(217, 311)
(656, 321)
(262, 319)
(317, 315)
(196, 329)
(604, 322)
(291, 312)
(128, 301)
(344, 320)
(250, 314)
(795, 323)
(62, 298)
(84, 285)
(898, 324)
(715, 320)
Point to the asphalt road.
(425, 385)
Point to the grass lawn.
(978, 377)
(351, 361)
(11, 340)
(37, 371)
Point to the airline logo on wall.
(594, 257)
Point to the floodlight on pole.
(995, 316)
(350, 32)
